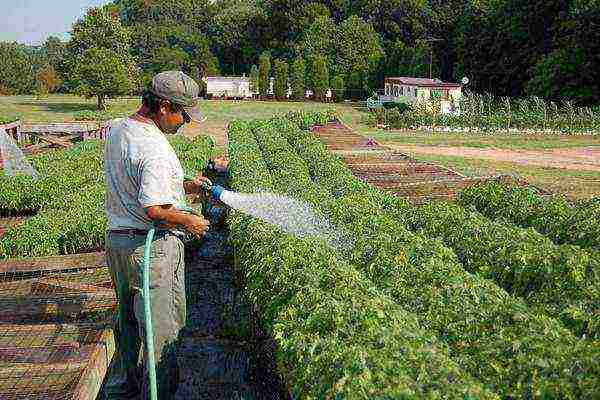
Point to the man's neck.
(144, 115)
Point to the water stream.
(291, 215)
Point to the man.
(145, 187)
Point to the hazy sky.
(32, 21)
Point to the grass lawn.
(575, 184)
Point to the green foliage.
(99, 61)
(280, 84)
(320, 76)
(172, 47)
(254, 79)
(306, 309)
(485, 113)
(89, 115)
(491, 334)
(298, 78)
(339, 88)
(264, 69)
(17, 74)
(69, 199)
(553, 217)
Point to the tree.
(102, 73)
(572, 70)
(47, 79)
(254, 79)
(233, 37)
(338, 87)
(99, 61)
(320, 79)
(298, 78)
(281, 78)
(264, 73)
(319, 38)
(358, 47)
(16, 70)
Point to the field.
(494, 295)
(582, 183)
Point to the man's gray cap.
(180, 89)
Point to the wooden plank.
(54, 263)
(52, 381)
(58, 285)
(90, 381)
(69, 304)
(42, 354)
(55, 141)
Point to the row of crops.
(394, 311)
(67, 203)
(554, 217)
(486, 113)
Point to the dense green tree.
(358, 47)
(98, 57)
(163, 47)
(499, 44)
(338, 87)
(233, 36)
(17, 75)
(254, 79)
(264, 69)
(319, 38)
(298, 78)
(280, 72)
(572, 70)
(320, 76)
(47, 79)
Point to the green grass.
(575, 184)
(512, 142)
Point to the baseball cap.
(179, 88)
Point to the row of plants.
(553, 216)
(485, 113)
(513, 349)
(337, 336)
(68, 200)
(562, 281)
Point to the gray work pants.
(128, 378)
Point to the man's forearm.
(168, 216)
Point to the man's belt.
(141, 232)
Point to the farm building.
(228, 86)
(413, 90)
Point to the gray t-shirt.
(142, 170)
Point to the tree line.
(547, 48)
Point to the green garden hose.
(148, 315)
(148, 309)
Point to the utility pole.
(427, 40)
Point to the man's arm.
(170, 218)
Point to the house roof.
(227, 78)
(422, 82)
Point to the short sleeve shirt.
(142, 170)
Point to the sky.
(32, 21)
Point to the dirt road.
(582, 158)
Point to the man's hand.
(170, 218)
(197, 225)
(195, 186)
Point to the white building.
(228, 86)
(413, 90)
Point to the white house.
(228, 86)
(413, 90)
